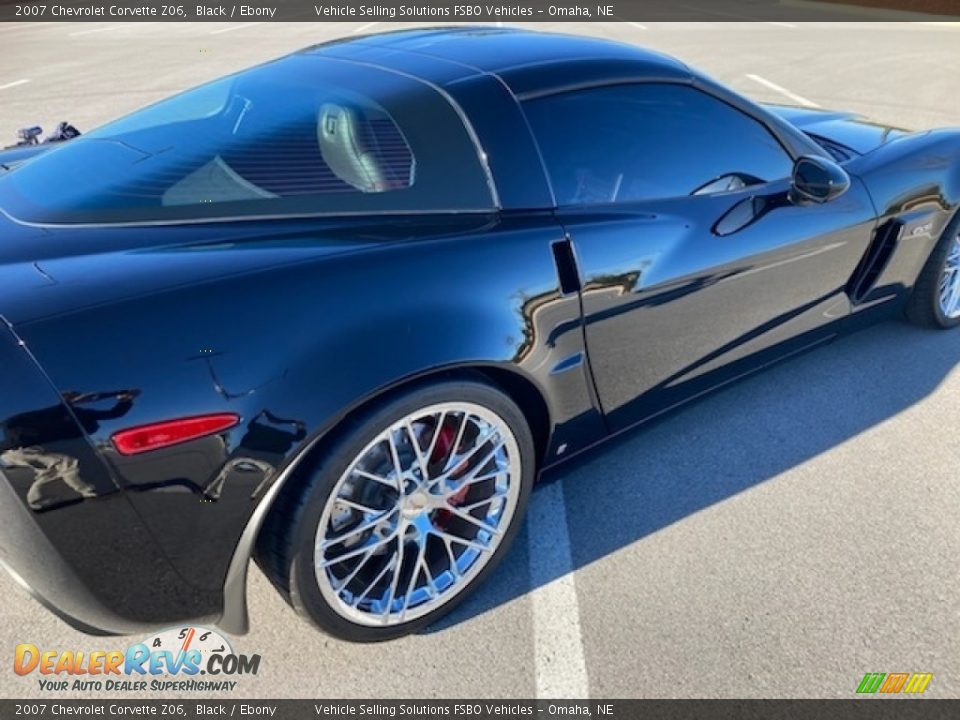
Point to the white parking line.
(365, 27)
(241, 26)
(561, 669)
(783, 91)
(14, 84)
(95, 30)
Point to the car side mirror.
(817, 180)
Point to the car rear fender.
(67, 533)
(295, 348)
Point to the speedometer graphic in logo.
(181, 640)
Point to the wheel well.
(528, 398)
(523, 392)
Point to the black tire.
(286, 546)
(923, 306)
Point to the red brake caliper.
(441, 451)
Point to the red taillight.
(170, 432)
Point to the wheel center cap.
(415, 504)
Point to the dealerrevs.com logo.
(178, 659)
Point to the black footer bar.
(857, 709)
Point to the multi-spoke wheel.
(406, 514)
(935, 301)
(950, 281)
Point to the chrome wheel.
(418, 514)
(949, 288)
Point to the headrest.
(339, 136)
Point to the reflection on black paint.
(32, 442)
(263, 445)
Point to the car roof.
(526, 61)
(487, 73)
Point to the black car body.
(488, 236)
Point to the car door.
(695, 265)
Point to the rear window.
(300, 136)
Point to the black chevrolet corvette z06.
(336, 312)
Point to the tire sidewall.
(937, 261)
(305, 591)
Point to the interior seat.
(339, 135)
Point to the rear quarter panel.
(307, 341)
(86, 556)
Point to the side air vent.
(566, 262)
(874, 260)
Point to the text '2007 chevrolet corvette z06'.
(336, 312)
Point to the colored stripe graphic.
(871, 682)
(918, 682)
(894, 682)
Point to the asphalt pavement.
(779, 538)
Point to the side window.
(626, 143)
